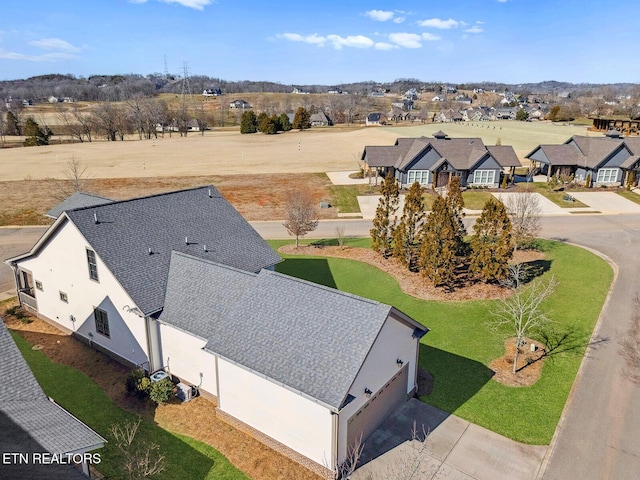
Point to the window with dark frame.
(93, 266)
(102, 322)
(63, 297)
(39, 285)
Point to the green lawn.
(73, 390)
(344, 197)
(459, 346)
(475, 199)
(556, 197)
(629, 195)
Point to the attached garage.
(378, 407)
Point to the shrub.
(138, 383)
(160, 392)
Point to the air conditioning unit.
(184, 392)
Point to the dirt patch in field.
(529, 366)
(412, 283)
(245, 452)
(262, 197)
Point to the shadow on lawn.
(456, 379)
(315, 270)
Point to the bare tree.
(302, 214)
(344, 470)
(340, 235)
(140, 459)
(522, 313)
(77, 179)
(630, 345)
(524, 212)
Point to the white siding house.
(180, 282)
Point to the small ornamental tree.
(249, 122)
(384, 223)
(406, 239)
(439, 244)
(491, 245)
(302, 119)
(302, 214)
(522, 115)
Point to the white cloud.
(313, 39)
(406, 40)
(384, 46)
(47, 57)
(54, 44)
(356, 41)
(195, 4)
(439, 23)
(474, 29)
(399, 19)
(430, 37)
(379, 15)
(338, 42)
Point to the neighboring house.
(403, 104)
(77, 200)
(239, 104)
(375, 119)
(434, 161)
(320, 119)
(448, 116)
(609, 160)
(211, 92)
(397, 114)
(506, 113)
(181, 282)
(34, 426)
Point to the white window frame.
(420, 176)
(92, 263)
(481, 177)
(607, 175)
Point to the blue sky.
(325, 41)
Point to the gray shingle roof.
(461, 153)
(28, 412)
(310, 338)
(126, 230)
(77, 200)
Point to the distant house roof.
(77, 200)
(590, 152)
(126, 231)
(460, 153)
(319, 118)
(30, 422)
(267, 321)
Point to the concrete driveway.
(607, 202)
(14, 241)
(454, 450)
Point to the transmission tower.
(166, 69)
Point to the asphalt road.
(599, 434)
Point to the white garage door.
(379, 407)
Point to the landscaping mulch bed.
(529, 366)
(196, 419)
(413, 283)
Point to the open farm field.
(227, 152)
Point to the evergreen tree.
(262, 119)
(35, 135)
(456, 202)
(249, 122)
(302, 119)
(284, 122)
(439, 244)
(385, 221)
(491, 244)
(406, 239)
(13, 125)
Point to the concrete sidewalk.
(607, 203)
(454, 450)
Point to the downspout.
(335, 424)
(16, 278)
